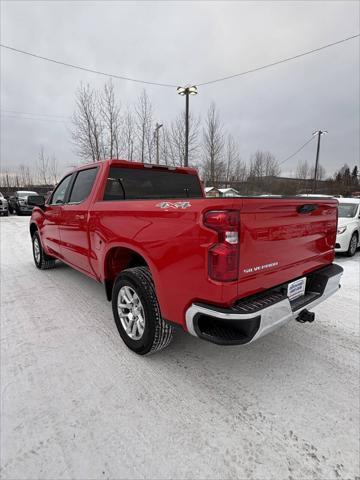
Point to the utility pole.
(156, 135)
(318, 133)
(186, 91)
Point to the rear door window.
(148, 183)
(83, 185)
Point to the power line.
(136, 80)
(278, 62)
(85, 69)
(297, 151)
(47, 120)
(16, 112)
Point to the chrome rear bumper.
(256, 316)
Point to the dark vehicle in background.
(18, 203)
(4, 207)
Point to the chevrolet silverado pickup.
(226, 270)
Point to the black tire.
(41, 260)
(353, 245)
(157, 334)
(6, 214)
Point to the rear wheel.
(137, 313)
(352, 245)
(42, 261)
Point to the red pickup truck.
(227, 270)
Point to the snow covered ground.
(77, 404)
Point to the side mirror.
(36, 200)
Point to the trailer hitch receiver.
(305, 316)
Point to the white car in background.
(348, 231)
(4, 207)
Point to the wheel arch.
(119, 258)
(33, 228)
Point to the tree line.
(45, 171)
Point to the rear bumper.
(256, 316)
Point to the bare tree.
(144, 127)
(240, 172)
(110, 113)
(22, 176)
(165, 147)
(302, 170)
(128, 135)
(6, 179)
(43, 165)
(213, 146)
(88, 129)
(272, 168)
(29, 176)
(177, 140)
(232, 158)
(264, 164)
(321, 172)
(236, 170)
(54, 170)
(257, 167)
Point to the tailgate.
(283, 239)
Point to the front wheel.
(137, 313)
(352, 245)
(42, 261)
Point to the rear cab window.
(147, 183)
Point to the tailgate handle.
(307, 208)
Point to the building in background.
(221, 192)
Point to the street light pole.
(156, 134)
(186, 91)
(186, 159)
(318, 133)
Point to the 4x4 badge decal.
(181, 205)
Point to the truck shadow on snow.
(276, 346)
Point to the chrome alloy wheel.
(131, 312)
(37, 252)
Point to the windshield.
(347, 210)
(25, 194)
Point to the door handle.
(80, 217)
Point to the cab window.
(83, 185)
(58, 197)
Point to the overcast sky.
(276, 109)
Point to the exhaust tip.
(305, 316)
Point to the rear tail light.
(224, 255)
